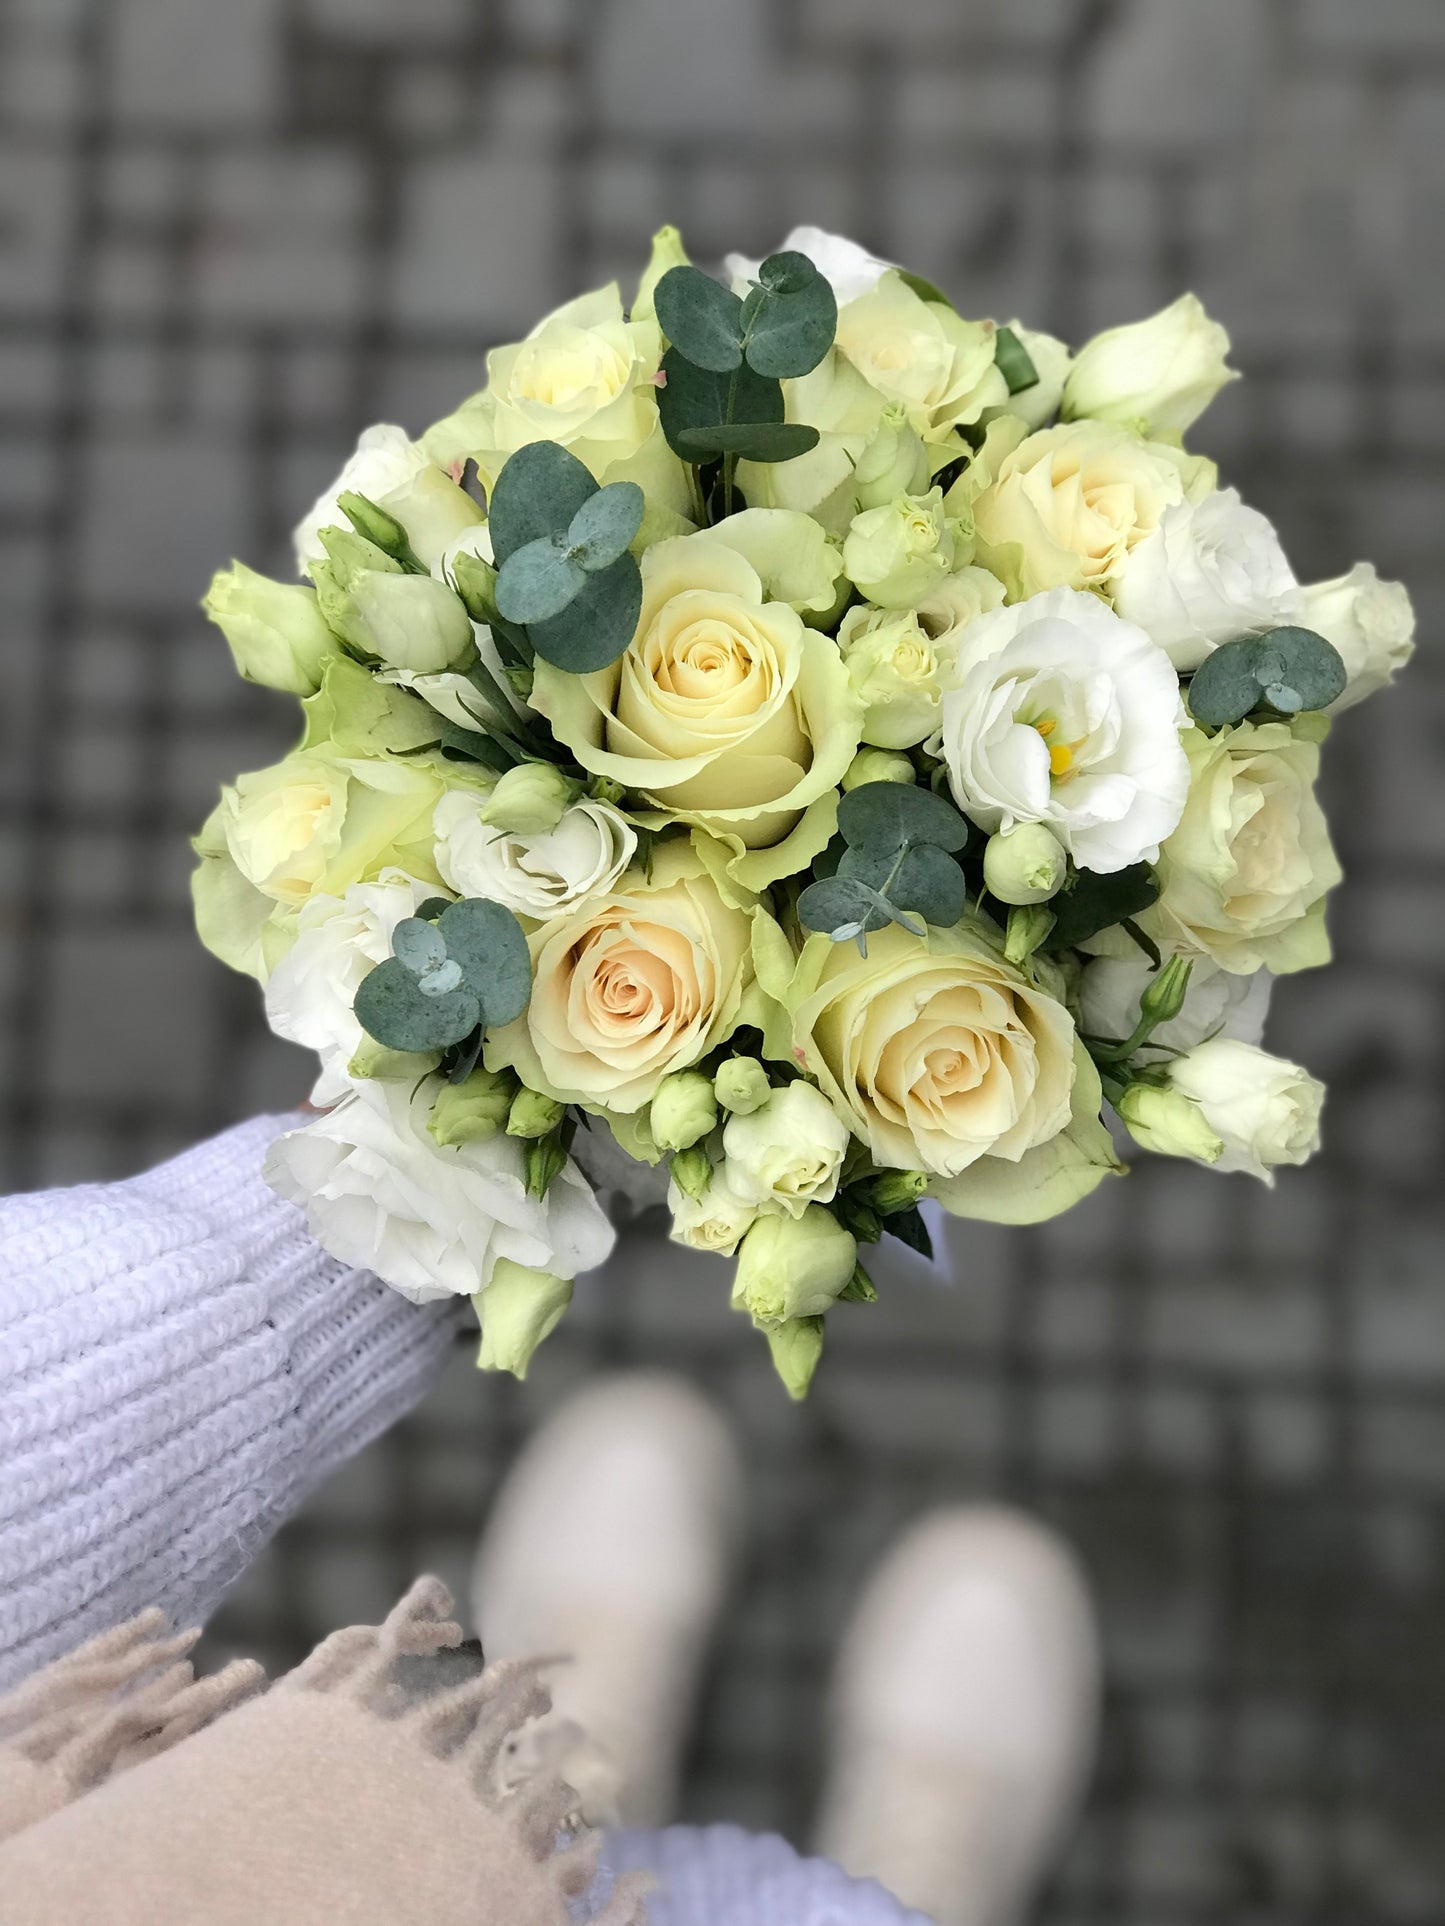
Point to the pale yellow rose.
(933, 1050)
(922, 356)
(1245, 875)
(585, 377)
(1069, 504)
(635, 984)
(725, 711)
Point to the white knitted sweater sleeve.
(180, 1365)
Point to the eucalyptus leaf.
(1014, 362)
(432, 908)
(489, 944)
(791, 317)
(882, 816)
(538, 580)
(418, 944)
(594, 628)
(701, 318)
(441, 980)
(693, 397)
(1287, 670)
(391, 1007)
(1093, 902)
(537, 493)
(841, 908)
(603, 527)
(750, 440)
(922, 878)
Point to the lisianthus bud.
(796, 1347)
(788, 1152)
(475, 581)
(376, 524)
(517, 1310)
(528, 800)
(877, 765)
(683, 1111)
(1161, 373)
(1370, 622)
(894, 463)
(1265, 1110)
(372, 1060)
(792, 1267)
(691, 1171)
(533, 1115)
(1164, 1120)
(894, 1190)
(1025, 864)
(275, 630)
(895, 554)
(1163, 997)
(1028, 925)
(741, 1085)
(471, 1111)
(406, 621)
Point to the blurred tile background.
(233, 234)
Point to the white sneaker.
(612, 1541)
(964, 1717)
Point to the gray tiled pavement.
(231, 234)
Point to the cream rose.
(635, 984)
(1068, 506)
(541, 873)
(919, 354)
(725, 711)
(1245, 875)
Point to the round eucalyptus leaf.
(537, 493)
(883, 816)
(597, 625)
(700, 317)
(442, 980)
(390, 1006)
(841, 907)
(791, 317)
(749, 440)
(1093, 901)
(538, 580)
(693, 397)
(489, 944)
(602, 527)
(418, 944)
(931, 882)
(1014, 362)
(1286, 669)
(788, 272)
(432, 908)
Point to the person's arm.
(180, 1365)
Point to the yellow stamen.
(1061, 759)
(1047, 727)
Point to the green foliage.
(909, 1227)
(382, 528)
(1283, 672)
(879, 816)
(1090, 902)
(1014, 362)
(566, 584)
(898, 865)
(455, 969)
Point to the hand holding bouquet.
(791, 736)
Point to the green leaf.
(911, 1228)
(859, 1289)
(467, 745)
(882, 816)
(491, 947)
(791, 317)
(925, 290)
(391, 1007)
(749, 440)
(922, 878)
(597, 625)
(693, 397)
(1093, 902)
(701, 318)
(418, 944)
(1014, 362)
(842, 908)
(537, 493)
(1287, 670)
(432, 908)
(538, 580)
(602, 527)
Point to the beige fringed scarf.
(360, 1788)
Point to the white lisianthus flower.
(540, 874)
(339, 941)
(1215, 1004)
(1264, 1110)
(429, 1220)
(1372, 624)
(789, 1152)
(850, 270)
(1060, 712)
(1160, 373)
(1212, 570)
(716, 1221)
(385, 460)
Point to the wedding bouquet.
(792, 743)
